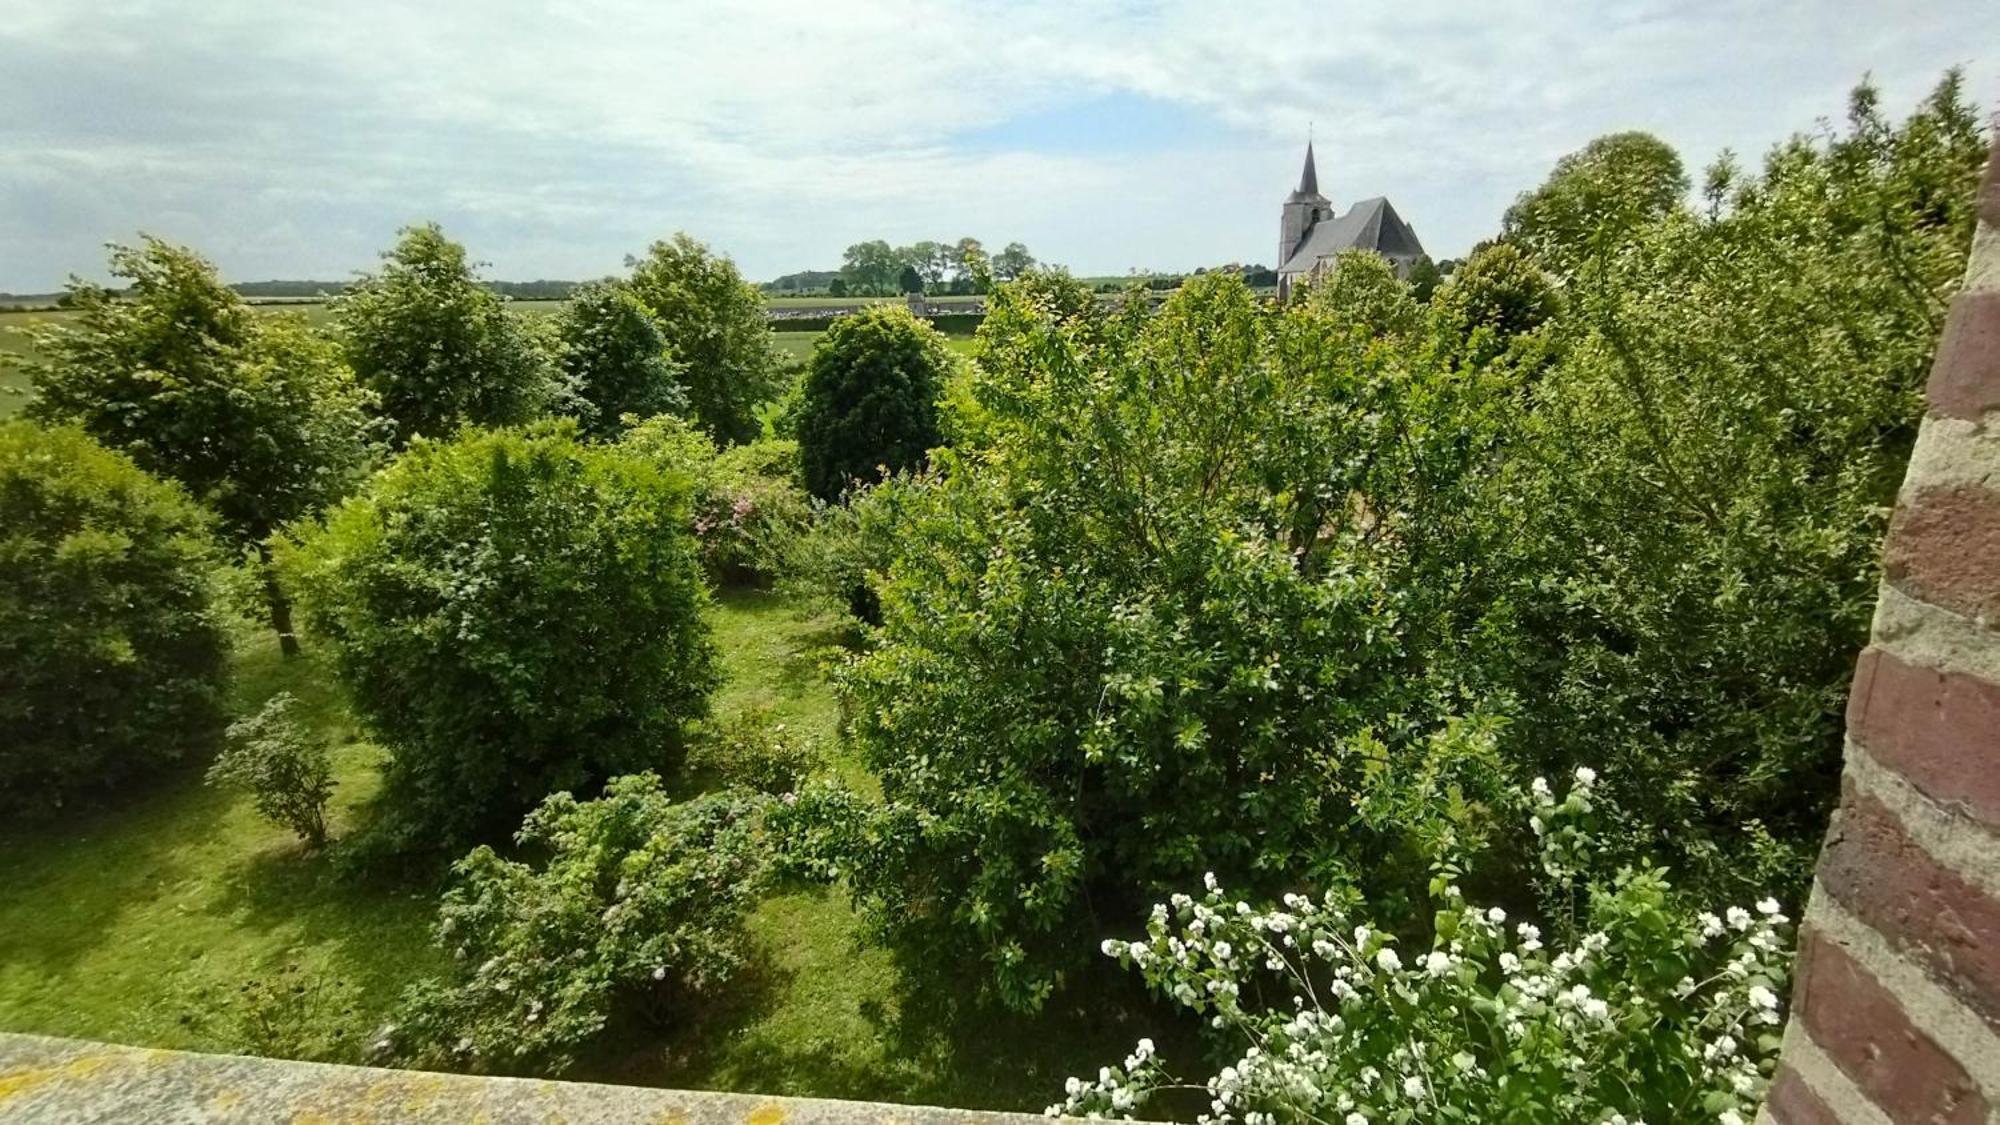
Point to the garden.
(1368, 707)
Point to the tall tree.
(1012, 261)
(871, 266)
(256, 416)
(971, 266)
(436, 346)
(714, 322)
(870, 399)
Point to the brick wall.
(1896, 1011)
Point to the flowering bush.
(1649, 1015)
(640, 901)
(813, 829)
(748, 508)
(753, 750)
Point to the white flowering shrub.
(1650, 1015)
(637, 904)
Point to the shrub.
(815, 829)
(714, 322)
(752, 750)
(748, 509)
(254, 414)
(282, 765)
(869, 405)
(637, 904)
(614, 359)
(111, 658)
(438, 348)
(1653, 1014)
(513, 613)
(842, 556)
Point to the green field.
(180, 919)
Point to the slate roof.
(1371, 224)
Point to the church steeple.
(1309, 179)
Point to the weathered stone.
(65, 1080)
(1965, 378)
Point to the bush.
(748, 509)
(513, 613)
(869, 405)
(438, 348)
(752, 750)
(282, 765)
(1654, 1014)
(111, 657)
(614, 359)
(714, 322)
(842, 556)
(636, 905)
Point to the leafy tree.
(870, 399)
(1498, 297)
(282, 765)
(436, 346)
(111, 656)
(512, 614)
(1012, 261)
(255, 415)
(837, 287)
(971, 266)
(614, 359)
(1151, 630)
(1363, 291)
(714, 322)
(634, 904)
(931, 261)
(1595, 197)
(1704, 482)
(911, 280)
(871, 266)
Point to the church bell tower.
(1302, 209)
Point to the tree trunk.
(281, 607)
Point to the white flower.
(1437, 963)
(1739, 918)
(1540, 786)
(1496, 915)
(1767, 906)
(1585, 776)
(1388, 960)
(1711, 926)
(1413, 1087)
(1208, 880)
(1729, 1117)
(1763, 997)
(1357, 1118)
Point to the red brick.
(1792, 1102)
(1965, 378)
(1933, 916)
(1866, 1033)
(1939, 730)
(1944, 547)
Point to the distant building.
(1310, 235)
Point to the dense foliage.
(614, 360)
(714, 322)
(754, 750)
(869, 404)
(1653, 1013)
(1125, 639)
(255, 415)
(748, 510)
(513, 613)
(634, 904)
(1613, 186)
(436, 346)
(111, 658)
(283, 765)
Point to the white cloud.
(291, 139)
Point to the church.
(1310, 235)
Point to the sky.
(290, 140)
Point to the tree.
(930, 260)
(1362, 290)
(1012, 261)
(1423, 278)
(438, 348)
(971, 266)
(1595, 198)
(284, 767)
(837, 287)
(256, 416)
(871, 266)
(870, 399)
(614, 359)
(111, 654)
(911, 281)
(1496, 298)
(714, 322)
(512, 613)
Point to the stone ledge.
(70, 1080)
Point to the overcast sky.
(290, 139)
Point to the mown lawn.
(179, 919)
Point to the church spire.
(1309, 179)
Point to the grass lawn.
(180, 919)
